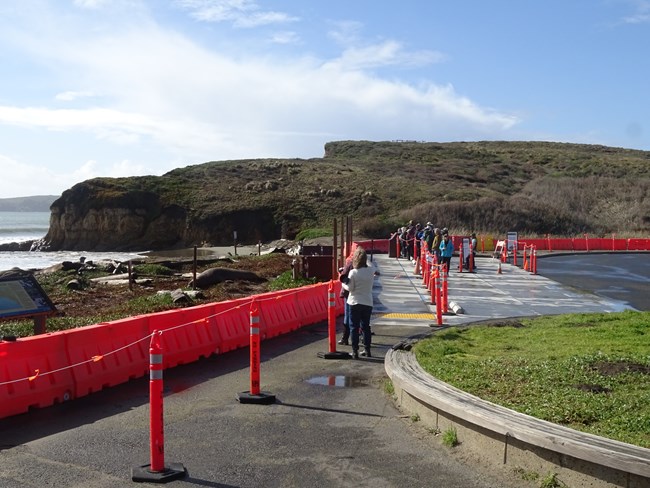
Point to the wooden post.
(194, 270)
(335, 268)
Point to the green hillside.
(531, 187)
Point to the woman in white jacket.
(360, 281)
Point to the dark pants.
(447, 262)
(360, 318)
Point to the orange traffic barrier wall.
(33, 373)
(587, 244)
(375, 245)
(107, 354)
(638, 244)
(186, 336)
(312, 304)
(41, 370)
(231, 322)
(279, 312)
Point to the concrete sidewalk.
(333, 425)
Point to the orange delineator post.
(156, 426)
(254, 395)
(438, 288)
(156, 471)
(254, 349)
(460, 258)
(514, 253)
(525, 259)
(534, 261)
(445, 290)
(331, 327)
(471, 258)
(434, 283)
(331, 316)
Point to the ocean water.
(27, 226)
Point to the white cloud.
(69, 96)
(385, 54)
(285, 37)
(242, 13)
(90, 4)
(641, 14)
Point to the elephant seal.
(213, 276)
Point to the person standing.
(347, 319)
(360, 281)
(446, 251)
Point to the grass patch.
(551, 481)
(450, 437)
(589, 372)
(313, 234)
(286, 281)
(389, 388)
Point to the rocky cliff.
(533, 187)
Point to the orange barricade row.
(107, 354)
(231, 321)
(33, 373)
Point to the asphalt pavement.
(333, 423)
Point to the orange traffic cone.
(499, 268)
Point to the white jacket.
(359, 285)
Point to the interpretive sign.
(22, 296)
(512, 241)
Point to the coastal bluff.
(534, 187)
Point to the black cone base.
(334, 355)
(174, 471)
(264, 398)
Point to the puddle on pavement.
(341, 381)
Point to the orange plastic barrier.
(638, 244)
(23, 382)
(375, 245)
(312, 303)
(279, 312)
(186, 334)
(107, 354)
(231, 322)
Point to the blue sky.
(131, 87)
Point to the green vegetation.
(590, 372)
(389, 388)
(150, 269)
(450, 437)
(529, 187)
(551, 481)
(313, 234)
(286, 281)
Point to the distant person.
(360, 281)
(435, 244)
(446, 251)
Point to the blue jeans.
(360, 315)
(347, 321)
